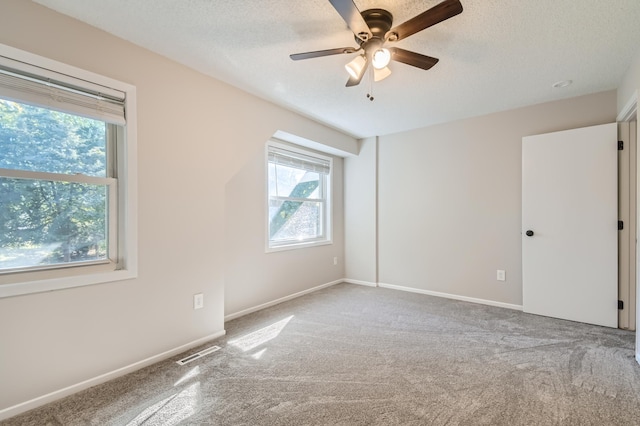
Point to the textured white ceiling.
(496, 55)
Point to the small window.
(298, 197)
(67, 210)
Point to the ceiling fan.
(372, 28)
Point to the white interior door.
(569, 203)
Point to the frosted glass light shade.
(354, 68)
(381, 58)
(379, 75)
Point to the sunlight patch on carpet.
(259, 354)
(258, 337)
(190, 375)
(171, 410)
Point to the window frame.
(123, 186)
(326, 200)
(110, 182)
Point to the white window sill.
(45, 285)
(296, 246)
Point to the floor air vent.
(197, 355)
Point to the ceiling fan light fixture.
(354, 68)
(381, 58)
(372, 28)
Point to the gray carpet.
(352, 355)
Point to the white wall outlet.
(502, 275)
(198, 301)
(335, 260)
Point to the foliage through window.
(298, 195)
(54, 187)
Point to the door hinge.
(620, 304)
(620, 145)
(620, 225)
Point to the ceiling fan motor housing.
(379, 22)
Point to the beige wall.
(449, 198)
(195, 134)
(360, 213)
(253, 277)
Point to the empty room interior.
(319, 212)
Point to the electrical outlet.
(335, 260)
(198, 301)
(501, 275)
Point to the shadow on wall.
(245, 264)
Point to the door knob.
(529, 233)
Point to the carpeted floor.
(352, 355)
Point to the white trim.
(308, 143)
(128, 231)
(629, 113)
(629, 109)
(57, 177)
(128, 227)
(278, 301)
(29, 287)
(359, 282)
(69, 390)
(327, 201)
(92, 81)
(296, 246)
(452, 296)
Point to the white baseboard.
(69, 390)
(452, 296)
(277, 301)
(359, 282)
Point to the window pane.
(38, 139)
(290, 182)
(46, 222)
(294, 220)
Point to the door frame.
(627, 116)
(627, 213)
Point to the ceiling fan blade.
(412, 58)
(354, 81)
(320, 53)
(441, 12)
(351, 15)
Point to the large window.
(298, 197)
(65, 165)
(55, 187)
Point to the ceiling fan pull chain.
(370, 94)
